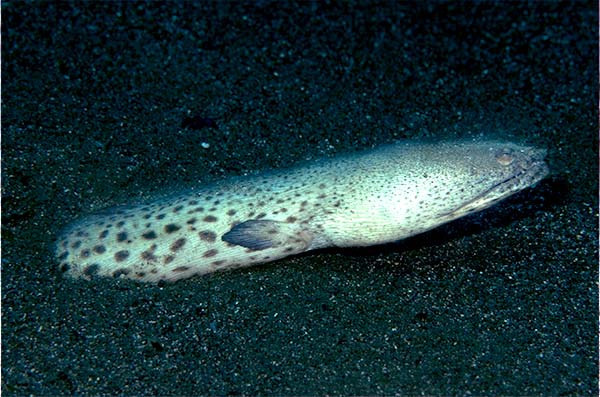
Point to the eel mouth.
(525, 176)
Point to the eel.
(372, 197)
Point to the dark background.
(94, 99)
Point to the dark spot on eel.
(99, 249)
(91, 270)
(176, 246)
(208, 236)
(210, 253)
(121, 256)
(120, 272)
(172, 228)
(148, 256)
(149, 235)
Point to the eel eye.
(505, 158)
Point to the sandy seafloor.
(501, 303)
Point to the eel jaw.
(526, 177)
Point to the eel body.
(365, 198)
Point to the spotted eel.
(371, 197)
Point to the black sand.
(106, 103)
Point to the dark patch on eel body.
(148, 256)
(121, 236)
(99, 249)
(208, 236)
(172, 228)
(91, 270)
(120, 272)
(181, 269)
(210, 218)
(210, 253)
(176, 246)
(121, 255)
(149, 235)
